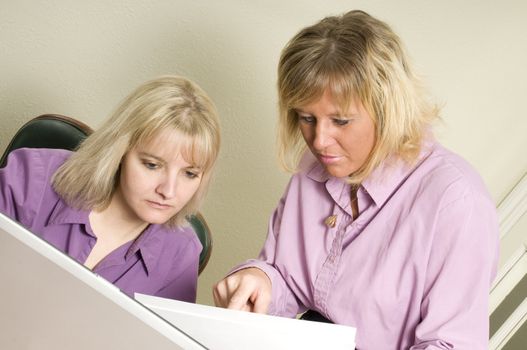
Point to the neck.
(354, 202)
(121, 224)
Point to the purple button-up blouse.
(413, 271)
(161, 261)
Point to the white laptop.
(49, 301)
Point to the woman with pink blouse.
(118, 204)
(380, 227)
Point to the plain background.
(81, 58)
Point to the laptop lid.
(50, 301)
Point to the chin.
(156, 220)
(337, 173)
(340, 172)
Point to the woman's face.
(156, 181)
(341, 141)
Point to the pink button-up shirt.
(413, 271)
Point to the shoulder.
(171, 252)
(41, 163)
(448, 166)
(26, 190)
(179, 239)
(34, 158)
(164, 249)
(449, 175)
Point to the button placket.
(342, 215)
(328, 270)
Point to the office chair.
(48, 131)
(58, 131)
(205, 237)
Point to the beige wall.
(81, 59)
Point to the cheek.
(306, 132)
(357, 146)
(371, 140)
(189, 190)
(194, 188)
(367, 141)
(135, 180)
(309, 139)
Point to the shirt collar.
(148, 245)
(312, 168)
(64, 214)
(391, 173)
(338, 188)
(382, 182)
(379, 185)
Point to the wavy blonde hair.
(88, 179)
(353, 56)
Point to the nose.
(167, 186)
(322, 137)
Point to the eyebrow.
(332, 115)
(146, 154)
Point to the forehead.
(342, 86)
(167, 144)
(332, 104)
(165, 136)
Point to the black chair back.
(48, 131)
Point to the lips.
(158, 205)
(328, 159)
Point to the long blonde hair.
(354, 56)
(87, 180)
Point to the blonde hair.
(88, 179)
(353, 56)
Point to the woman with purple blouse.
(118, 204)
(380, 227)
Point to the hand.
(247, 290)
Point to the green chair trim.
(202, 230)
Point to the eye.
(307, 119)
(341, 122)
(150, 165)
(192, 174)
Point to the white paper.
(222, 329)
